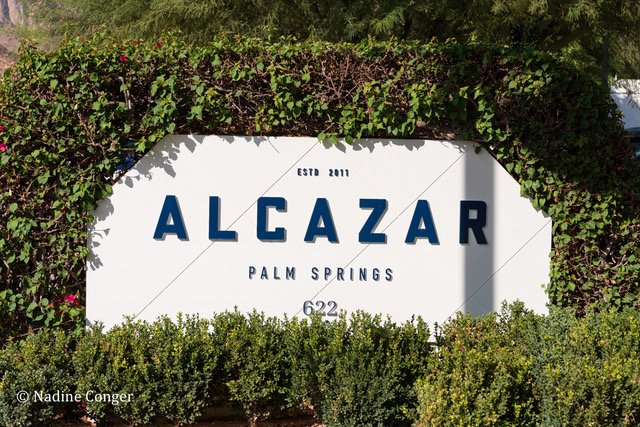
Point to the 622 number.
(310, 307)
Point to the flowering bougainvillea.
(63, 304)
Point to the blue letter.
(171, 209)
(379, 207)
(321, 212)
(420, 215)
(214, 222)
(466, 223)
(279, 234)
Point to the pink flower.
(159, 44)
(137, 42)
(123, 58)
(70, 298)
(3, 147)
(1, 128)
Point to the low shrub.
(361, 371)
(511, 368)
(37, 381)
(346, 372)
(255, 361)
(588, 370)
(517, 368)
(165, 371)
(483, 377)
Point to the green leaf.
(42, 179)
(196, 111)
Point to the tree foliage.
(599, 36)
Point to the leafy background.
(601, 37)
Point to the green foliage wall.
(512, 368)
(70, 117)
(349, 372)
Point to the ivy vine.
(73, 120)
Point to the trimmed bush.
(588, 370)
(256, 363)
(483, 376)
(513, 368)
(522, 369)
(37, 381)
(360, 372)
(356, 372)
(166, 371)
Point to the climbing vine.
(73, 120)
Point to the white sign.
(203, 224)
(626, 94)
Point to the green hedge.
(518, 368)
(359, 371)
(71, 118)
(513, 368)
